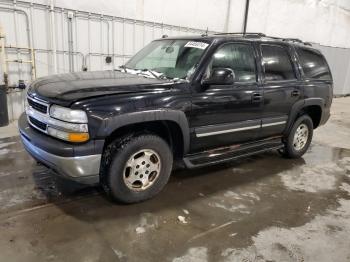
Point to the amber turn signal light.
(78, 137)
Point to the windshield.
(172, 58)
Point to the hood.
(68, 88)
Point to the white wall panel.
(95, 36)
(186, 13)
(322, 21)
(339, 62)
(120, 28)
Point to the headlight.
(68, 124)
(68, 115)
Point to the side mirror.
(220, 76)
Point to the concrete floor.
(264, 208)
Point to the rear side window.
(313, 64)
(277, 63)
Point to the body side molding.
(211, 130)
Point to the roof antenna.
(206, 32)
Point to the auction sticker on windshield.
(199, 45)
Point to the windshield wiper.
(153, 73)
(124, 68)
(156, 74)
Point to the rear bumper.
(80, 163)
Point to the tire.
(294, 148)
(136, 168)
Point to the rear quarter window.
(314, 65)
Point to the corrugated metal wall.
(321, 21)
(339, 62)
(95, 36)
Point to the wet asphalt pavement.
(263, 208)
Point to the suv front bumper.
(79, 162)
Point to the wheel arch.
(171, 125)
(311, 106)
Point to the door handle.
(257, 97)
(295, 93)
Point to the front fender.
(118, 121)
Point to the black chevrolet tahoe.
(198, 100)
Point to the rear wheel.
(136, 168)
(298, 140)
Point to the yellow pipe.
(2, 53)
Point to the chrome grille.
(37, 114)
(39, 106)
(38, 124)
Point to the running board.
(224, 154)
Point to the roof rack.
(260, 35)
(296, 40)
(244, 34)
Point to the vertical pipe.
(16, 39)
(89, 38)
(134, 37)
(53, 36)
(19, 56)
(228, 13)
(70, 41)
(75, 43)
(3, 55)
(123, 40)
(108, 36)
(31, 41)
(246, 13)
(63, 41)
(101, 43)
(113, 42)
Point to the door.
(282, 87)
(228, 114)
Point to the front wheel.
(298, 140)
(136, 168)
